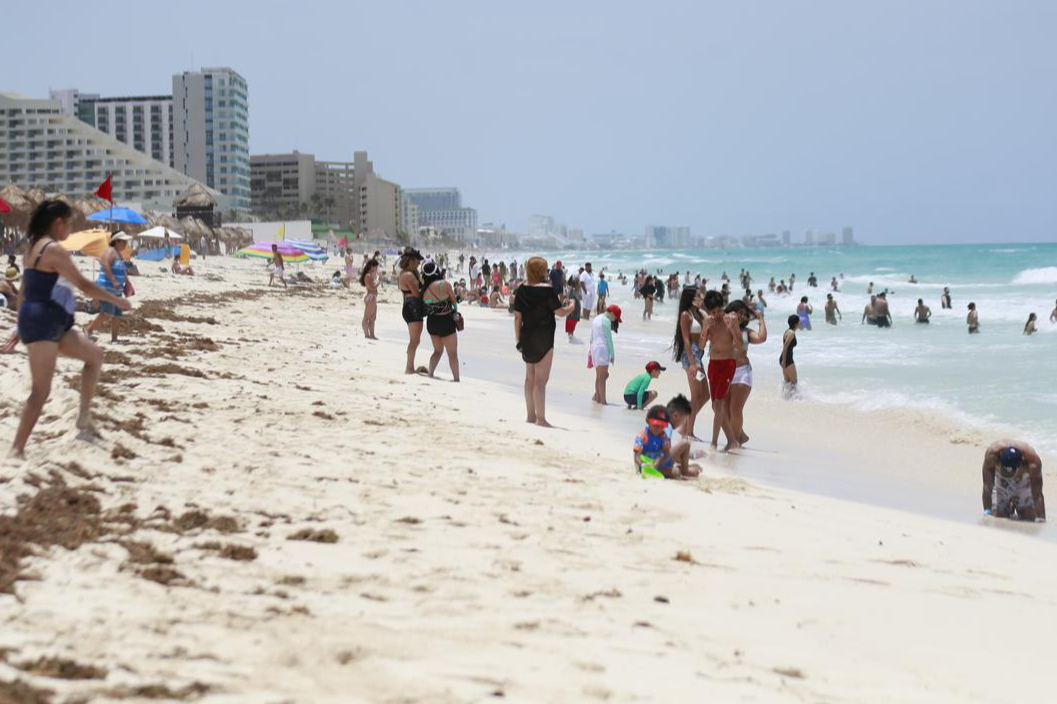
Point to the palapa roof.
(196, 196)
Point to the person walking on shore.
(686, 351)
(741, 384)
(973, 319)
(113, 277)
(603, 292)
(276, 267)
(602, 352)
(413, 311)
(832, 310)
(922, 313)
(535, 305)
(1012, 475)
(573, 293)
(588, 291)
(369, 280)
(45, 318)
(785, 359)
(722, 331)
(441, 309)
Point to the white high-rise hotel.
(201, 129)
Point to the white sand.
(478, 555)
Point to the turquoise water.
(999, 378)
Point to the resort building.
(350, 194)
(667, 236)
(143, 122)
(442, 209)
(211, 132)
(41, 146)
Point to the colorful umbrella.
(127, 216)
(263, 250)
(315, 252)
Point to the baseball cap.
(1010, 457)
(615, 310)
(655, 366)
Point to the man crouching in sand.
(1013, 473)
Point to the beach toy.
(648, 470)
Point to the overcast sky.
(913, 120)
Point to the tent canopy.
(158, 233)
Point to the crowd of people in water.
(709, 321)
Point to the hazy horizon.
(913, 122)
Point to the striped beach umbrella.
(263, 250)
(315, 252)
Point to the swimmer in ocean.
(832, 311)
(922, 313)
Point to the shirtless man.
(1013, 481)
(723, 331)
(880, 311)
(832, 311)
(922, 313)
(973, 319)
(868, 312)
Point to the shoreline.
(450, 552)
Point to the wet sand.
(280, 515)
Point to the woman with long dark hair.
(369, 280)
(45, 318)
(439, 300)
(741, 384)
(413, 312)
(689, 354)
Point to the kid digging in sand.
(654, 444)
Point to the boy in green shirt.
(637, 394)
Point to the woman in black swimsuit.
(439, 299)
(414, 310)
(535, 305)
(45, 318)
(785, 359)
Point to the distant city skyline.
(916, 122)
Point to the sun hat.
(120, 237)
(655, 366)
(12, 274)
(615, 310)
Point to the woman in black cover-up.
(535, 306)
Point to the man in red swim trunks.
(723, 332)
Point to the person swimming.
(1029, 327)
(804, 311)
(973, 319)
(922, 313)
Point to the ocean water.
(998, 379)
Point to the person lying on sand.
(182, 270)
(653, 447)
(1013, 481)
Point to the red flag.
(105, 191)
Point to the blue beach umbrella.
(126, 216)
(314, 251)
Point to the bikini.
(47, 307)
(743, 373)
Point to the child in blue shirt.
(655, 443)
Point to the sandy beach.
(277, 514)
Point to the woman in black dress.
(535, 306)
